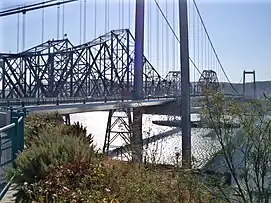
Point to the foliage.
(50, 144)
(78, 130)
(35, 124)
(51, 151)
(112, 181)
(61, 165)
(245, 152)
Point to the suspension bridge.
(76, 56)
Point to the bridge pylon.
(254, 82)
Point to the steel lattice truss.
(102, 67)
(208, 80)
(173, 81)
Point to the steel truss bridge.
(101, 68)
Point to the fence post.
(21, 131)
(14, 133)
(24, 112)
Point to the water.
(162, 151)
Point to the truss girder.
(208, 80)
(173, 79)
(102, 67)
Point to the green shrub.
(61, 165)
(68, 183)
(50, 150)
(111, 181)
(38, 122)
(78, 130)
(35, 124)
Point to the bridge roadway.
(163, 105)
(65, 109)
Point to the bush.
(61, 165)
(36, 124)
(112, 181)
(78, 130)
(49, 151)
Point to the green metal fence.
(11, 142)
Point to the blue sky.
(240, 31)
(241, 34)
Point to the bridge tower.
(136, 138)
(185, 83)
(244, 82)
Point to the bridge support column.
(67, 119)
(129, 130)
(139, 48)
(136, 139)
(118, 126)
(185, 85)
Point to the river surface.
(162, 151)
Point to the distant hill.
(261, 87)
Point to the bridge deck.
(95, 106)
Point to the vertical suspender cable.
(211, 60)
(18, 33)
(203, 50)
(208, 56)
(42, 25)
(85, 21)
(108, 15)
(173, 39)
(205, 63)
(198, 39)
(95, 18)
(23, 40)
(208, 62)
(158, 40)
(194, 44)
(163, 50)
(122, 4)
(105, 16)
(119, 13)
(80, 24)
(58, 21)
(129, 17)
(150, 31)
(202, 44)
(63, 20)
(23, 46)
(189, 19)
(107, 11)
(167, 47)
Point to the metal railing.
(11, 142)
(68, 100)
(22, 102)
